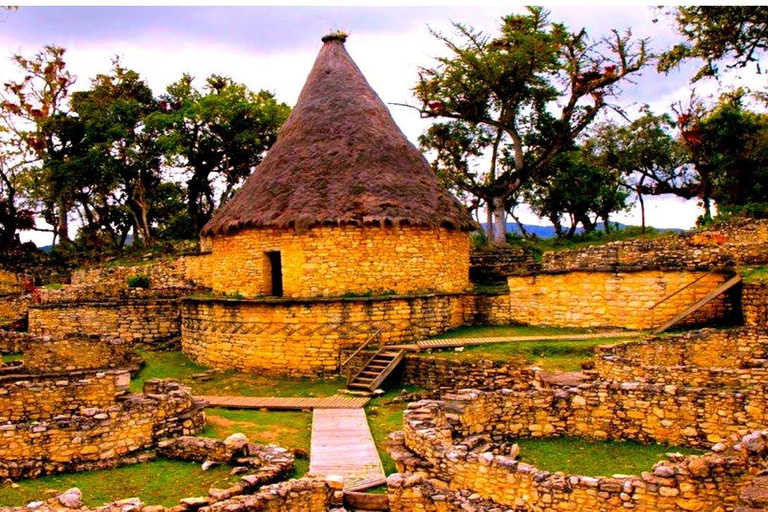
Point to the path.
(460, 342)
(342, 445)
(285, 403)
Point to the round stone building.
(341, 204)
(342, 232)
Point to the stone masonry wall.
(754, 304)
(10, 282)
(734, 358)
(99, 438)
(443, 374)
(333, 261)
(694, 417)
(75, 352)
(144, 321)
(593, 299)
(303, 338)
(43, 397)
(170, 273)
(707, 483)
(737, 243)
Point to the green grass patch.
(585, 457)
(15, 356)
(383, 420)
(494, 331)
(53, 286)
(755, 275)
(289, 429)
(176, 365)
(564, 356)
(160, 482)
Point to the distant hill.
(549, 231)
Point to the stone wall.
(302, 338)
(10, 282)
(333, 261)
(602, 299)
(13, 308)
(494, 263)
(76, 352)
(707, 483)
(140, 321)
(743, 242)
(108, 281)
(44, 397)
(648, 413)
(97, 438)
(12, 342)
(754, 304)
(444, 374)
(734, 358)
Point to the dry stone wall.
(707, 483)
(444, 374)
(302, 338)
(602, 299)
(754, 304)
(732, 358)
(109, 281)
(140, 321)
(333, 261)
(98, 438)
(493, 264)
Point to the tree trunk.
(489, 221)
(62, 223)
(501, 220)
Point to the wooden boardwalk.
(277, 403)
(342, 445)
(460, 342)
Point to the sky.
(273, 48)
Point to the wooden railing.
(686, 286)
(346, 363)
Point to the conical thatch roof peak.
(340, 159)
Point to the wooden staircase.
(376, 370)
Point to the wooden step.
(376, 370)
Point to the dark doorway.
(276, 273)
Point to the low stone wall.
(162, 273)
(743, 242)
(489, 308)
(418, 493)
(76, 352)
(99, 438)
(85, 295)
(10, 282)
(44, 397)
(493, 264)
(602, 299)
(140, 321)
(702, 483)
(297, 337)
(12, 342)
(754, 304)
(444, 374)
(734, 358)
(13, 309)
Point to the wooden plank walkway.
(342, 445)
(460, 342)
(291, 403)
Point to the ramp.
(703, 302)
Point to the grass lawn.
(289, 429)
(176, 365)
(584, 457)
(492, 331)
(550, 355)
(161, 482)
(17, 356)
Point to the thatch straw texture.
(340, 159)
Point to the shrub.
(138, 281)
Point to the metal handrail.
(361, 347)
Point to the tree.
(580, 188)
(27, 108)
(221, 133)
(14, 215)
(714, 33)
(122, 149)
(530, 91)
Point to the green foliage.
(138, 281)
(755, 275)
(577, 456)
(54, 286)
(715, 33)
(513, 102)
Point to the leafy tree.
(220, 133)
(14, 215)
(28, 108)
(122, 150)
(714, 33)
(580, 188)
(524, 95)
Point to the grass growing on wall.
(160, 482)
(755, 275)
(584, 457)
(16, 356)
(493, 331)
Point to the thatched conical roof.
(340, 159)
